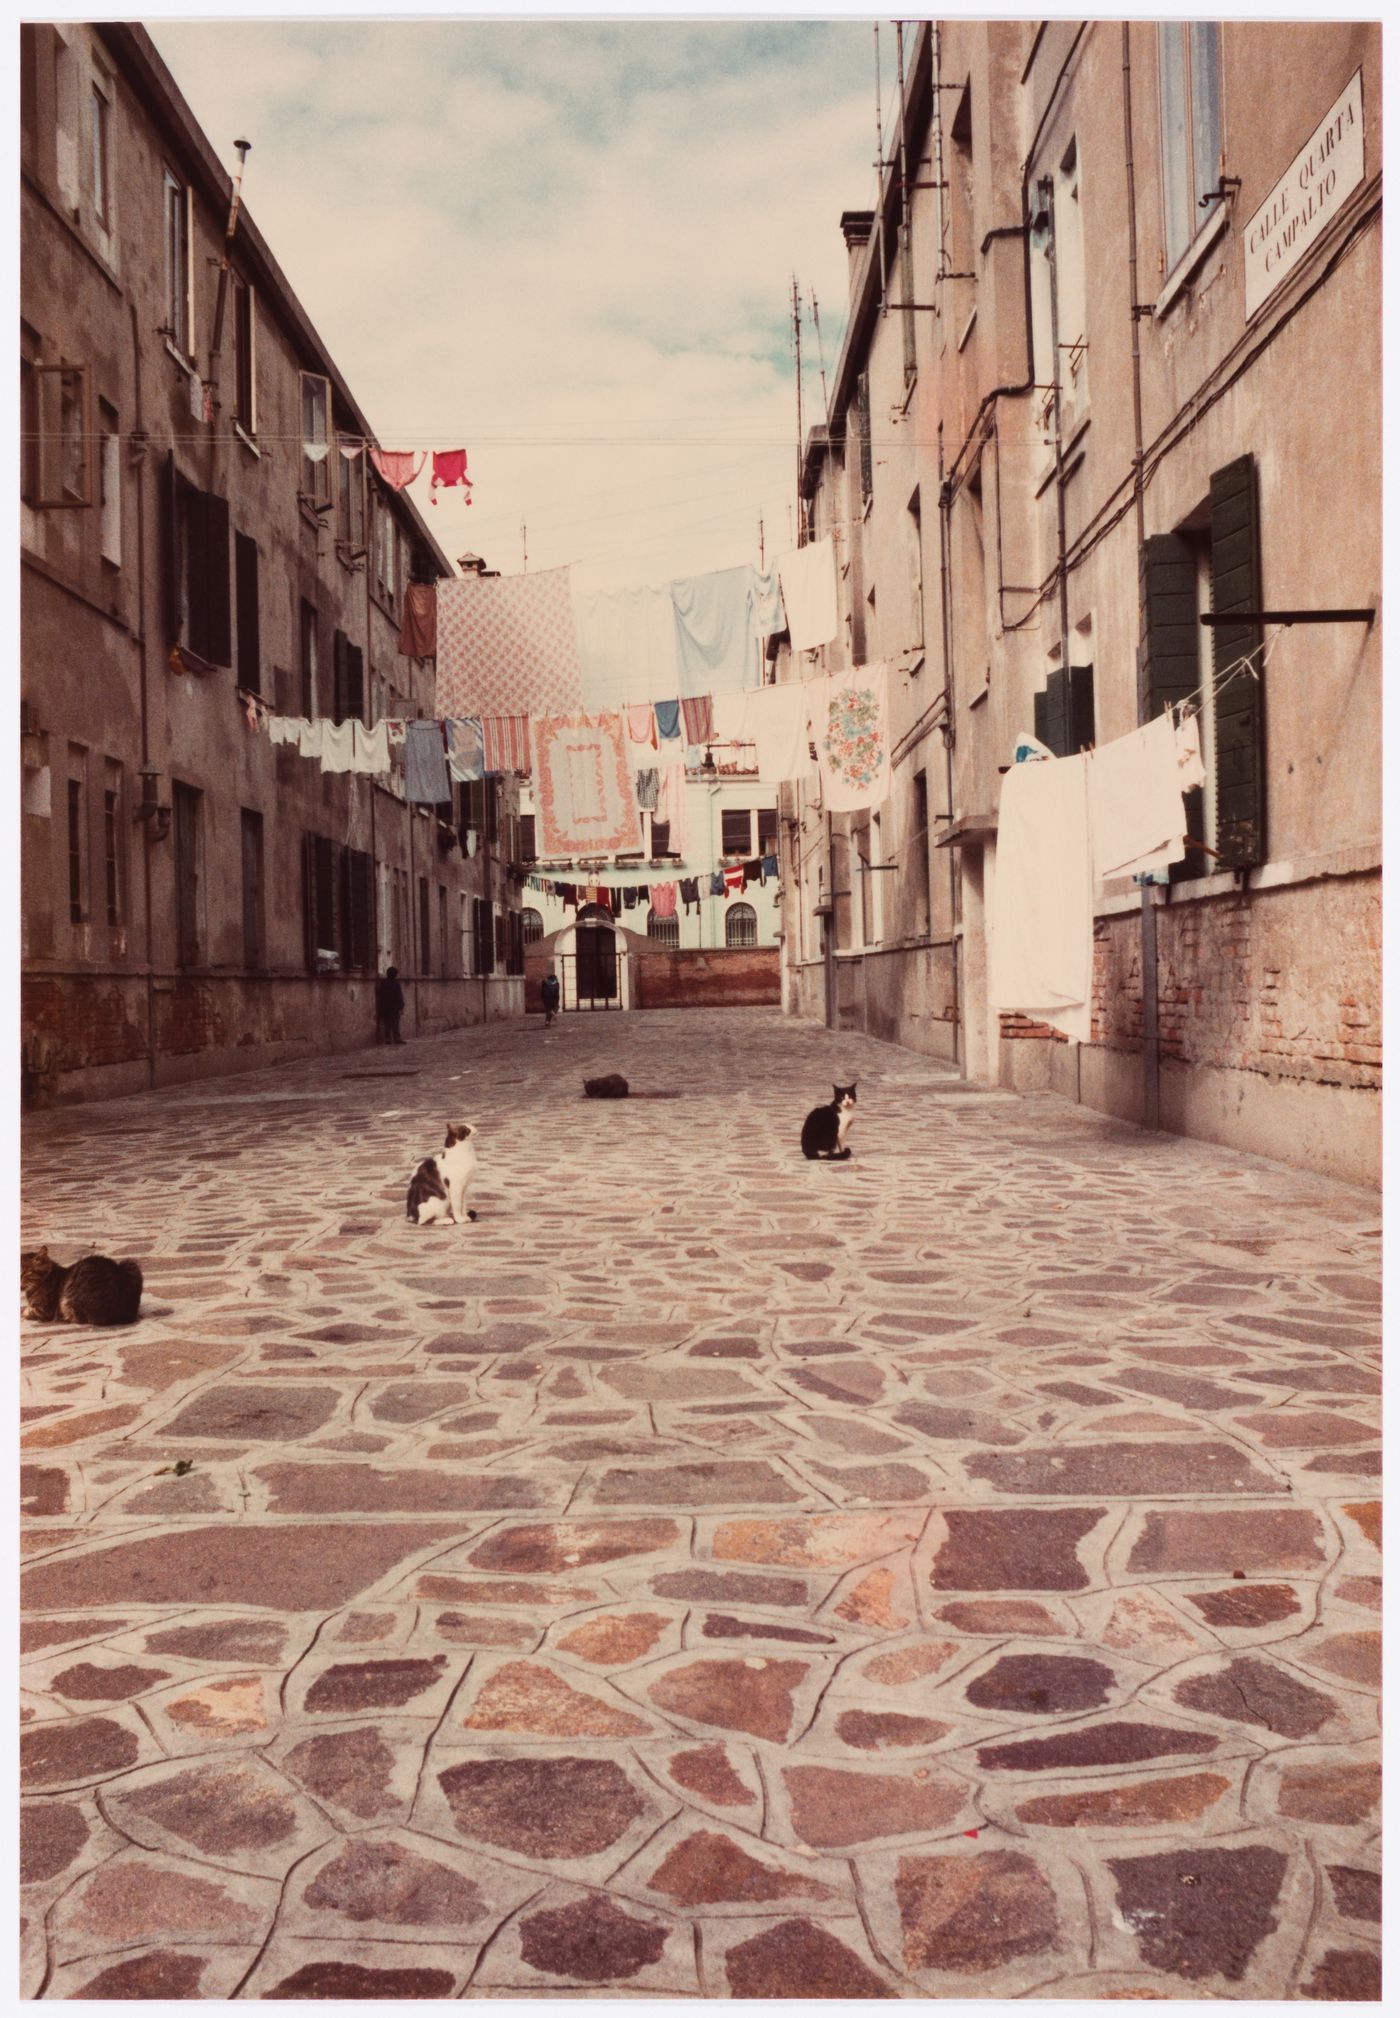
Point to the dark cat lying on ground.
(93, 1290)
(612, 1086)
(825, 1130)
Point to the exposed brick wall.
(67, 1022)
(1014, 1024)
(1285, 982)
(695, 977)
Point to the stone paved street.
(952, 1573)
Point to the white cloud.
(565, 246)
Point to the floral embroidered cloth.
(584, 789)
(505, 645)
(850, 724)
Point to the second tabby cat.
(92, 1290)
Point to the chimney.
(856, 227)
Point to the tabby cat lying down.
(92, 1290)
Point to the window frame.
(741, 914)
(179, 263)
(189, 873)
(245, 354)
(47, 475)
(109, 486)
(727, 816)
(309, 664)
(664, 932)
(1179, 45)
(317, 488)
(100, 152)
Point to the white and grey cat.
(825, 1130)
(438, 1188)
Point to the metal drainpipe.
(945, 545)
(146, 841)
(831, 926)
(1151, 1042)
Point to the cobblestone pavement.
(950, 1573)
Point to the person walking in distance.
(388, 1005)
(549, 997)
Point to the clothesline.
(1191, 703)
(662, 894)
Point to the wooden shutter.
(1080, 709)
(338, 642)
(171, 545)
(1052, 723)
(325, 895)
(516, 963)
(867, 479)
(483, 937)
(308, 899)
(354, 682)
(211, 615)
(245, 553)
(1170, 641)
(345, 945)
(1239, 707)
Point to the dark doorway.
(596, 973)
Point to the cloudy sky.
(565, 246)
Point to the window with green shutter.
(1239, 703)
(1064, 713)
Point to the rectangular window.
(245, 410)
(109, 486)
(1070, 313)
(315, 440)
(178, 315)
(59, 414)
(101, 113)
(862, 418)
(77, 851)
(385, 550)
(67, 112)
(464, 926)
(356, 917)
(309, 653)
(515, 943)
(1189, 68)
(113, 837)
(1064, 712)
(350, 505)
(442, 929)
(200, 609)
(527, 837)
(425, 940)
(767, 830)
(254, 931)
(188, 874)
(915, 537)
(660, 837)
(245, 568)
(484, 938)
(318, 894)
(919, 854)
(735, 830)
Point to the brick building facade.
(195, 899)
(1113, 367)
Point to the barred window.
(665, 931)
(741, 925)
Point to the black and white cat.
(438, 1188)
(825, 1130)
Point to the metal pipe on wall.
(144, 663)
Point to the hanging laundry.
(568, 896)
(309, 738)
(283, 729)
(1041, 906)
(717, 638)
(668, 721)
(314, 451)
(395, 730)
(398, 466)
(808, 581)
(671, 806)
(472, 841)
(733, 880)
(584, 792)
(769, 618)
(505, 742)
(753, 871)
(1136, 817)
(629, 897)
(449, 470)
(641, 723)
(648, 786)
(663, 900)
(418, 631)
(690, 894)
(697, 719)
(1190, 763)
(852, 737)
(338, 746)
(775, 721)
(505, 645)
(466, 756)
(371, 749)
(770, 868)
(626, 645)
(426, 782)
(351, 450)
(251, 718)
(717, 883)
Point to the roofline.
(144, 67)
(918, 112)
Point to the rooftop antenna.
(879, 121)
(524, 550)
(243, 149)
(821, 360)
(797, 345)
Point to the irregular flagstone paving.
(952, 1573)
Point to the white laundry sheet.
(808, 579)
(1042, 943)
(1136, 818)
(774, 720)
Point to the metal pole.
(1151, 1037)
